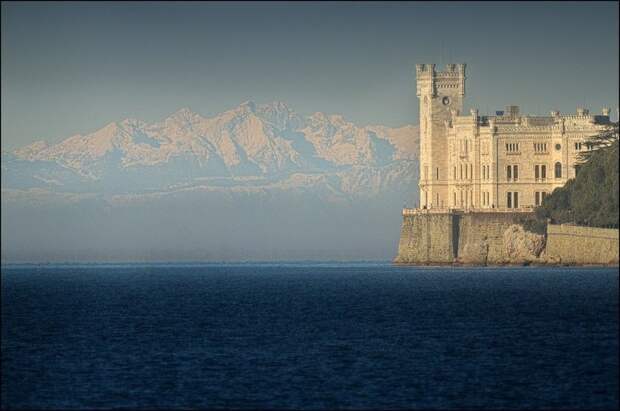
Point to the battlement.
(512, 119)
(450, 70)
(429, 79)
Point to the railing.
(444, 210)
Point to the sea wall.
(497, 238)
(481, 238)
(569, 244)
(455, 237)
(427, 239)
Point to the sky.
(70, 68)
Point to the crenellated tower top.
(430, 82)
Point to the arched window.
(558, 170)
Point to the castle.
(480, 175)
(505, 161)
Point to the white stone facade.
(506, 161)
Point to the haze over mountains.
(255, 167)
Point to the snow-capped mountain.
(252, 145)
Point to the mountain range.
(251, 148)
(258, 182)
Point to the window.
(540, 147)
(539, 197)
(461, 171)
(515, 172)
(515, 197)
(536, 172)
(512, 147)
(512, 199)
(558, 170)
(543, 171)
(512, 172)
(437, 175)
(454, 199)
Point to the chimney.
(513, 111)
(582, 111)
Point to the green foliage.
(533, 224)
(592, 197)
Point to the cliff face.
(522, 246)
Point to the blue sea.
(308, 336)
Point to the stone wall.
(568, 244)
(481, 237)
(455, 237)
(427, 239)
(496, 238)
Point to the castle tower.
(440, 94)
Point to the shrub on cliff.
(592, 197)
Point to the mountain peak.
(184, 113)
(31, 149)
(132, 122)
(248, 106)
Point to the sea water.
(308, 336)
